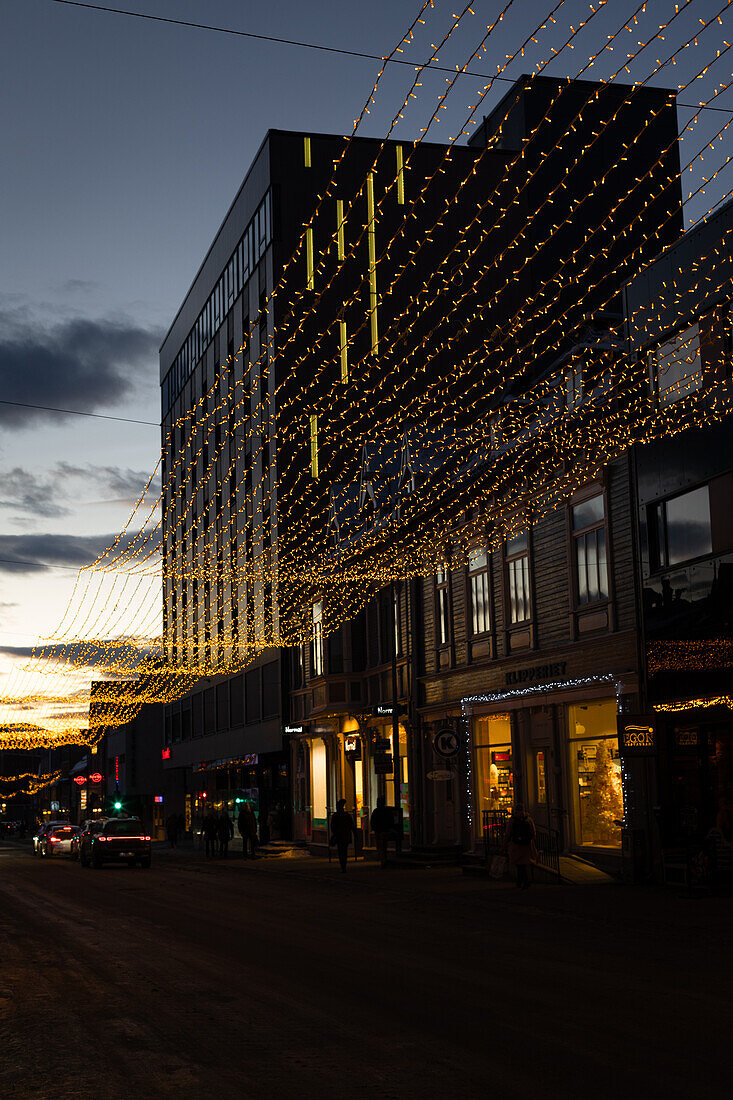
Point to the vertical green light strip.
(309, 258)
(400, 176)
(344, 352)
(372, 262)
(340, 228)
(314, 445)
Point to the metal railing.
(547, 841)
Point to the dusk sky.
(123, 143)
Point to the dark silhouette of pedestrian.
(171, 828)
(226, 832)
(519, 841)
(247, 825)
(211, 834)
(383, 826)
(342, 830)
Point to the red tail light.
(54, 839)
(101, 838)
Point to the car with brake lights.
(40, 834)
(120, 840)
(57, 840)
(91, 826)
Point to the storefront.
(222, 786)
(351, 757)
(696, 775)
(556, 750)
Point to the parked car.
(40, 833)
(57, 840)
(120, 840)
(92, 826)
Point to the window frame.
(473, 575)
(510, 559)
(441, 604)
(581, 533)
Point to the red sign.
(95, 777)
(166, 754)
(80, 780)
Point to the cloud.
(44, 494)
(34, 553)
(83, 654)
(78, 363)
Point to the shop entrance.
(700, 782)
(595, 775)
(494, 762)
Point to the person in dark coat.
(226, 832)
(247, 825)
(519, 841)
(383, 827)
(171, 828)
(211, 833)
(342, 831)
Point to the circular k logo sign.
(445, 743)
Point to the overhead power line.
(78, 412)
(318, 46)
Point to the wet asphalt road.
(285, 978)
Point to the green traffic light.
(118, 805)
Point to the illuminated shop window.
(595, 775)
(492, 739)
(319, 785)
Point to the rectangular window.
(340, 241)
(442, 608)
(306, 151)
(517, 554)
(317, 644)
(400, 176)
(675, 367)
(598, 806)
(478, 575)
(589, 539)
(680, 528)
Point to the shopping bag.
(498, 867)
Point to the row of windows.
(591, 573)
(247, 698)
(255, 239)
(676, 366)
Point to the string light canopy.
(490, 405)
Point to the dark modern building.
(680, 330)
(323, 377)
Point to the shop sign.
(95, 777)
(686, 739)
(80, 780)
(166, 753)
(383, 764)
(294, 730)
(382, 744)
(637, 734)
(536, 673)
(82, 800)
(440, 775)
(384, 710)
(352, 747)
(445, 742)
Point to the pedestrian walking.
(382, 824)
(226, 832)
(519, 842)
(211, 834)
(342, 831)
(247, 825)
(171, 828)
